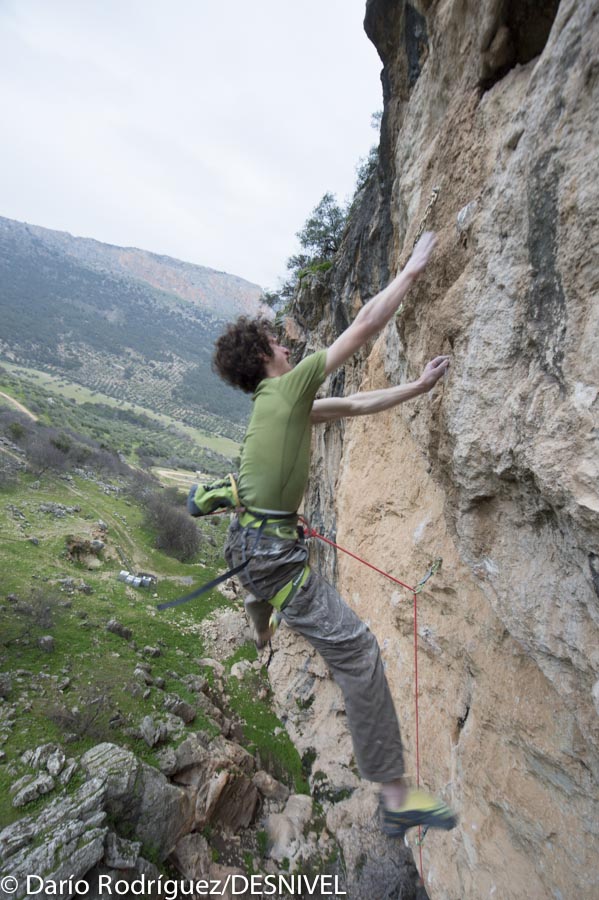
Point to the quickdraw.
(434, 195)
(432, 571)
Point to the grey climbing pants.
(346, 644)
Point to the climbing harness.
(220, 496)
(203, 589)
(282, 599)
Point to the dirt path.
(10, 453)
(18, 405)
(175, 477)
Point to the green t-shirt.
(275, 458)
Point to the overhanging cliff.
(495, 105)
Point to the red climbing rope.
(416, 717)
(310, 532)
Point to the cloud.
(204, 131)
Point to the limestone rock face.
(285, 829)
(489, 138)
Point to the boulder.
(207, 663)
(192, 857)
(241, 668)
(64, 841)
(210, 709)
(178, 707)
(153, 732)
(143, 675)
(56, 762)
(285, 830)
(195, 683)
(46, 643)
(232, 881)
(218, 777)
(20, 784)
(40, 756)
(143, 878)
(41, 785)
(167, 761)
(154, 811)
(68, 771)
(269, 787)
(120, 853)
(116, 628)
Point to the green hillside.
(112, 331)
(141, 436)
(68, 674)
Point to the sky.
(200, 129)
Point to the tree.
(321, 236)
(320, 239)
(323, 230)
(367, 165)
(43, 452)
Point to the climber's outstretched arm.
(378, 311)
(365, 403)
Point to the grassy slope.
(87, 654)
(60, 387)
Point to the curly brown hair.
(239, 352)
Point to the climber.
(264, 536)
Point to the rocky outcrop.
(140, 798)
(218, 779)
(68, 843)
(65, 841)
(311, 707)
(488, 136)
(214, 791)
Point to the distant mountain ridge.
(224, 294)
(132, 324)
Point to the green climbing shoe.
(419, 808)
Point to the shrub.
(44, 451)
(14, 425)
(8, 471)
(176, 532)
(16, 430)
(30, 617)
(94, 715)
